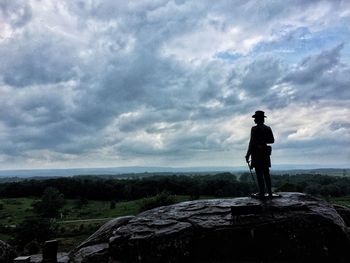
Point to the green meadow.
(76, 221)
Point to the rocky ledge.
(291, 228)
(7, 253)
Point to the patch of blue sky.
(295, 44)
(228, 56)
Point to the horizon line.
(316, 166)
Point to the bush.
(81, 202)
(51, 203)
(39, 229)
(289, 187)
(194, 196)
(33, 247)
(162, 199)
(112, 204)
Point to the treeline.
(220, 185)
(95, 188)
(314, 184)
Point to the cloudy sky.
(171, 82)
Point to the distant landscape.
(130, 170)
(36, 207)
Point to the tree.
(39, 229)
(161, 199)
(112, 204)
(51, 203)
(245, 178)
(80, 202)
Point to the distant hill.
(111, 171)
(323, 171)
(291, 169)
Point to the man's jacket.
(260, 136)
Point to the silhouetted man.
(260, 136)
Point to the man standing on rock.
(260, 152)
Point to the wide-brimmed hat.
(259, 113)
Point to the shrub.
(39, 229)
(289, 187)
(162, 199)
(51, 203)
(33, 247)
(81, 202)
(112, 204)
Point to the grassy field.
(15, 210)
(344, 200)
(77, 221)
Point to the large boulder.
(291, 228)
(62, 257)
(7, 253)
(344, 212)
(95, 248)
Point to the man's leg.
(259, 175)
(267, 178)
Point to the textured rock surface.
(292, 228)
(7, 253)
(95, 248)
(344, 212)
(62, 257)
(97, 253)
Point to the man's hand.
(247, 158)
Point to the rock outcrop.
(95, 248)
(292, 228)
(7, 253)
(62, 257)
(344, 212)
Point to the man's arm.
(270, 139)
(249, 151)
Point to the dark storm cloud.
(260, 75)
(275, 84)
(16, 12)
(321, 76)
(39, 118)
(36, 59)
(313, 67)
